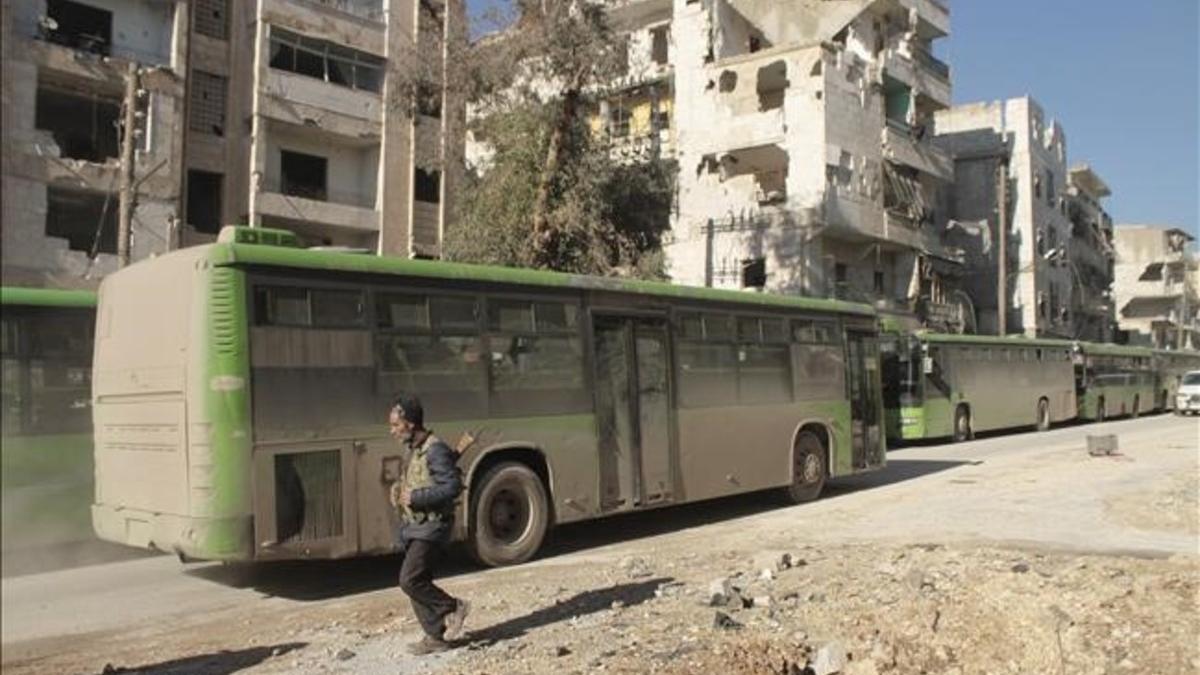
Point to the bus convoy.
(46, 420)
(245, 420)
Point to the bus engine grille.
(308, 496)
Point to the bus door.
(633, 410)
(862, 377)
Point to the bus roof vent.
(265, 236)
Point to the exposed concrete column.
(396, 149)
(453, 116)
(258, 124)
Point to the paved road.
(1033, 489)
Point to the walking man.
(425, 498)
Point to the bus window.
(336, 308)
(774, 331)
(401, 310)
(281, 306)
(764, 374)
(535, 358)
(707, 375)
(691, 327)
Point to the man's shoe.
(428, 645)
(455, 620)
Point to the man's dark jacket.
(438, 498)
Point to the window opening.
(204, 201)
(78, 26)
(427, 186)
(207, 113)
(303, 175)
(87, 220)
(83, 127)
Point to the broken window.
(660, 120)
(427, 186)
(727, 81)
(303, 175)
(754, 272)
(878, 281)
(87, 220)
(204, 201)
(618, 121)
(210, 19)
(771, 85)
(897, 101)
(903, 194)
(325, 61)
(1049, 187)
(659, 41)
(83, 127)
(206, 112)
(78, 26)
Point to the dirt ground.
(859, 583)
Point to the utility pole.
(128, 144)
(1002, 252)
(1183, 297)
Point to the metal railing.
(361, 199)
(939, 68)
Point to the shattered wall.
(36, 175)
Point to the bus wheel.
(808, 469)
(1137, 401)
(1100, 412)
(510, 514)
(1043, 415)
(962, 424)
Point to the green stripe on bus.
(46, 297)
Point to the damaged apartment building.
(1157, 287)
(803, 137)
(327, 117)
(1036, 236)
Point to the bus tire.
(808, 469)
(962, 424)
(1137, 402)
(509, 516)
(1043, 415)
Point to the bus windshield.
(902, 372)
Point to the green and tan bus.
(46, 421)
(939, 385)
(241, 389)
(1114, 380)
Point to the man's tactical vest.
(417, 477)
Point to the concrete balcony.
(296, 94)
(934, 17)
(926, 75)
(351, 216)
(901, 147)
(746, 131)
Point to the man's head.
(405, 416)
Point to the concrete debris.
(723, 621)
(828, 660)
(1021, 567)
(784, 563)
(635, 568)
(562, 650)
(767, 574)
(720, 592)
(344, 654)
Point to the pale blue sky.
(1122, 77)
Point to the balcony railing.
(361, 199)
(939, 68)
(372, 10)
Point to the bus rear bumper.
(185, 536)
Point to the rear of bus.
(903, 357)
(170, 408)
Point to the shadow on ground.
(581, 604)
(313, 580)
(216, 663)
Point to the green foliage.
(551, 195)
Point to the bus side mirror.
(927, 365)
